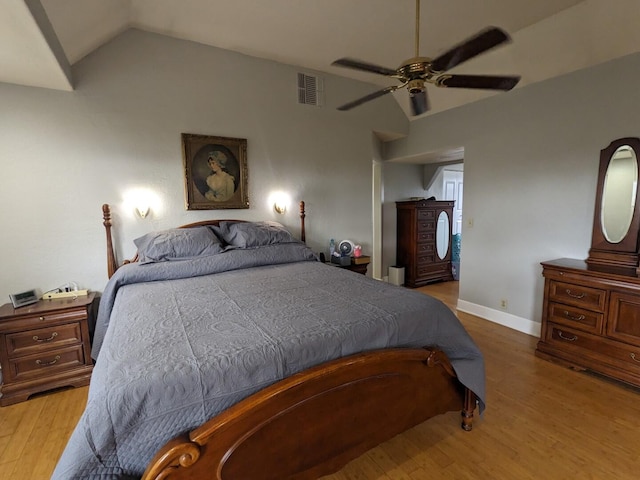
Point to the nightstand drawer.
(43, 320)
(38, 340)
(45, 363)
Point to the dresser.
(420, 225)
(44, 346)
(591, 318)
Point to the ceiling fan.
(417, 71)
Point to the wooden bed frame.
(112, 263)
(313, 423)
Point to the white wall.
(401, 182)
(64, 154)
(531, 165)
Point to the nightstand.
(44, 346)
(358, 265)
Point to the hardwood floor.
(542, 421)
(34, 433)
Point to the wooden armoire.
(420, 223)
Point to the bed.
(226, 350)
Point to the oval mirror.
(442, 235)
(619, 194)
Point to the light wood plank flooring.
(542, 421)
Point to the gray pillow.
(177, 243)
(254, 234)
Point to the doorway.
(422, 177)
(452, 183)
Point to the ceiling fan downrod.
(417, 28)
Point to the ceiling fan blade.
(366, 98)
(481, 42)
(364, 66)
(488, 82)
(419, 102)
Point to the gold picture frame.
(216, 173)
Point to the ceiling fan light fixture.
(418, 102)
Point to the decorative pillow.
(177, 243)
(254, 234)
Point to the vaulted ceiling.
(40, 40)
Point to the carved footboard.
(313, 423)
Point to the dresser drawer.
(431, 270)
(426, 214)
(426, 237)
(43, 320)
(426, 226)
(425, 249)
(425, 259)
(571, 316)
(41, 339)
(46, 363)
(578, 295)
(597, 351)
(573, 339)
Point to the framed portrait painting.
(215, 172)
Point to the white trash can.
(396, 275)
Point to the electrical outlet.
(503, 303)
(469, 222)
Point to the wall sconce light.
(280, 207)
(280, 201)
(142, 210)
(141, 201)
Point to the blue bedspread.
(178, 342)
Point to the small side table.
(44, 346)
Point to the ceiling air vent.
(310, 90)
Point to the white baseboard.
(503, 318)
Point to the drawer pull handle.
(41, 319)
(575, 295)
(46, 364)
(570, 339)
(571, 317)
(38, 339)
(633, 357)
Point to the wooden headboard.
(112, 263)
